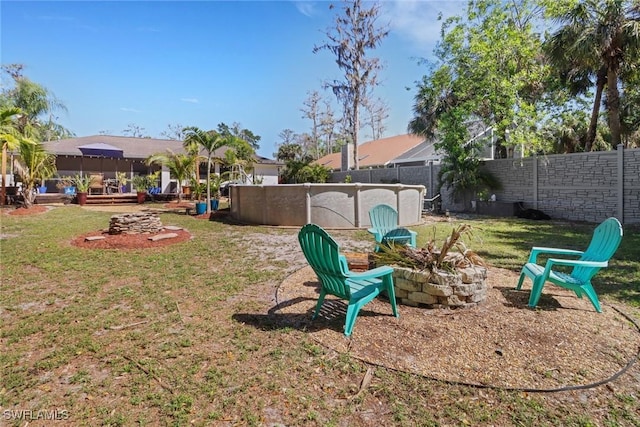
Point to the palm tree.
(36, 102)
(193, 150)
(11, 139)
(240, 158)
(596, 39)
(180, 166)
(210, 141)
(34, 166)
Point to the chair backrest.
(97, 180)
(604, 243)
(383, 218)
(397, 236)
(323, 255)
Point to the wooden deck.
(99, 199)
(126, 198)
(111, 199)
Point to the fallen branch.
(366, 380)
(130, 325)
(146, 371)
(179, 313)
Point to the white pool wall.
(328, 205)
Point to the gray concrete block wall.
(579, 204)
(387, 175)
(516, 176)
(581, 169)
(579, 187)
(632, 186)
(416, 176)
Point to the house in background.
(420, 155)
(107, 155)
(372, 154)
(404, 150)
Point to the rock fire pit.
(135, 223)
(465, 287)
(462, 288)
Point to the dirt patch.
(129, 241)
(33, 210)
(500, 343)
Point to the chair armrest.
(537, 250)
(371, 274)
(376, 233)
(575, 263)
(571, 263)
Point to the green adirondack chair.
(604, 243)
(384, 219)
(358, 288)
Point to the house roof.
(421, 153)
(376, 153)
(132, 148)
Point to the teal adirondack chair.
(604, 243)
(358, 288)
(384, 219)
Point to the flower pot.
(186, 190)
(201, 207)
(142, 196)
(82, 198)
(42, 189)
(214, 204)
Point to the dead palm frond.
(430, 257)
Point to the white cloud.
(190, 100)
(307, 8)
(130, 110)
(417, 20)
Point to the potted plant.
(140, 184)
(41, 175)
(121, 179)
(82, 184)
(154, 182)
(42, 188)
(197, 190)
(65, 184)
(215, 183)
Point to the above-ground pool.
(328, 205)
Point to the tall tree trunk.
(209, 183)
(356, 127)
(595, 112)
(613, 103)
(3, 194)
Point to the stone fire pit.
(466, 287)
(135, 223)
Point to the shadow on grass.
(331, 316)
(507, 244)
(296, 313)
(520, 299)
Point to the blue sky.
(199, 63)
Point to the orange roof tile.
(376, 153)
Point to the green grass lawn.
(506, 243)
(124, 338)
